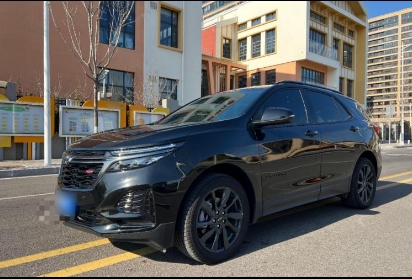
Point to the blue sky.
(377, 8)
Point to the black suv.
(197, 178)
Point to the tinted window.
(344, 115)
(286, 98)
(323, 107)
(221, 106)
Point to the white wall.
(184, 66)
(291, 30)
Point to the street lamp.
(402, 136)
(410, 122)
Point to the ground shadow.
(292, 223)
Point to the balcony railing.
(323, 50)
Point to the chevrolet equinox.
(200, 176)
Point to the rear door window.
(323, 107)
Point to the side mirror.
(275, 116)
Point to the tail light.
(376, 128)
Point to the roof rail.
(309, 84)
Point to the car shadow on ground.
(288, 224)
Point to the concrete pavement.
(19, 168)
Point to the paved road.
(321, 239)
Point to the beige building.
(390, 46)
(320, 42)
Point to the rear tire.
(363, 185)
(214, 220)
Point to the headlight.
(152, 149)
(135, 163)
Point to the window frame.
(104, 28)
(178, 27)
(267, 42)
(108, 83)
(255, 79)
(242, 49)
(223, 47)
(165, 94)
(256, 21)
(347, 61)
(255, 45)
(274, 13)
(266, 76)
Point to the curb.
(28, 172)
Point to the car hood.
(143, 135)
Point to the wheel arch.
(371, 157)
(234, 172)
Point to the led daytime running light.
(134, 151)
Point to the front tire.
(214, 220)
(363, 185)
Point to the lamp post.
(402, 136)
(410, 122)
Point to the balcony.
(323, 50)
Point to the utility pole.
(46, 74)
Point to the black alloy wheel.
(363, 185)
(214, 220)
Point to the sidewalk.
(19, 168)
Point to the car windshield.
(216, 107)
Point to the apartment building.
(159, 52)
(389, 71)
(320, 42)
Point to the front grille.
(89, 218)
(80, 175)
(86, 153)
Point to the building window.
(222, 82)
(312, 76)
(256, 45)
(227, 45)
(270, 41)
(242, 26)
(317, 17)
(341, 85)
(204, 88)
(108, 23)
(351, 33)
(255, 79)
(317, 36)
(118, 86)
(242, 49)
(347, 55)
(168, 88)
(349, 88)
(271, 77)
(241, 82)
(271, 16)
(256, 21)
(336, 43)
(169, 28)
(338, 27)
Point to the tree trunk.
(95, 106)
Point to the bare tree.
(94, 63)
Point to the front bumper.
(160, 238)
(139, 206)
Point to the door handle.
(354, 128)
(310, 133)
